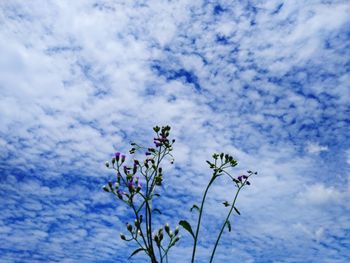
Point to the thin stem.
(141, 232)
(224, 224)
(160, 255)
(200, 217)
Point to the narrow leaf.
(210, 164)
(186, 226)
(237, 210)
(135, 252)
(228, 225)
(157, 210)
(194, 207)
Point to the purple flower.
(157, 144)
(131, 185)
(123, 158)
(117, 155)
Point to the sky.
(266, 81)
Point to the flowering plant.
(136, 186)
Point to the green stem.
(141, 232)
(160, 255)
(200, 217)
(224, 224)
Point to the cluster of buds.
(174, 237)
(225, 158)
(134, 231)
(149, 162)
(243, 179)
(162, 139)
(118, 159)
(159, 177)
(131, 183)
(110, 188)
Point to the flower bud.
(158, 180)
(113, 160)
(137, 224)
(122, 237)
(160, 234)
(176, 231)
(129, 227)
(107, 164)
(176, 239)
(117, 155)
(167, 228)
(123, 158)
(156, 238)
(106, 188)
(171, 234)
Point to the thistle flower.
(117, 155)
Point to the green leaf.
(135, 252)
(157, 210)
(186, 226)
(237, 210)
(226, 203)
(228, 225)
(194, 207)
(210, 164)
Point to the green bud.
(129, 227)
(176, 239)
(122, 237)
(176, 231)
(107, 164)
(156, 238)
(167, 228)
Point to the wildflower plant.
(136, 186)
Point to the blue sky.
(267, 81)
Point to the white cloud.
(315, 148)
